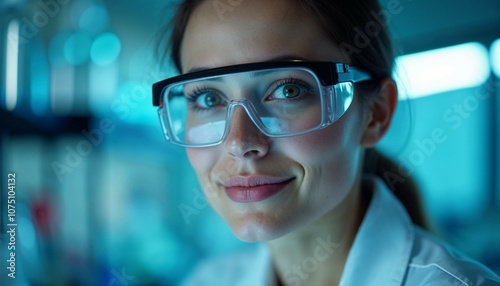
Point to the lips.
(256, 188)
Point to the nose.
(245, 140)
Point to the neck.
(316, 254)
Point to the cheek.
(331, 156)
(202, 161)
(208, 164)
(337, 140)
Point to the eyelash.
(192, 97)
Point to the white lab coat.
(388, 250)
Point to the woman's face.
(301, 178)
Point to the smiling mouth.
(254, 189)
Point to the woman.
(278, 103)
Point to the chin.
(260, 228)
(256, 233)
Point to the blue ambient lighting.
(105, 49)
(442, 70)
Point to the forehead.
(253, 31)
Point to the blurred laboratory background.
(103, 199)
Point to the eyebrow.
(278, 58)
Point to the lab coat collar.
(382, 247)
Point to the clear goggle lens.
(280, 102)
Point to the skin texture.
(324, 198)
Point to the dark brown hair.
(345, 24)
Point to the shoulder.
(433, 262)
(232, 269)
(427, 260)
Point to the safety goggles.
(282, 99)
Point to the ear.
(380, 112)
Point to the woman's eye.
(290, 91)
(208, 100)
